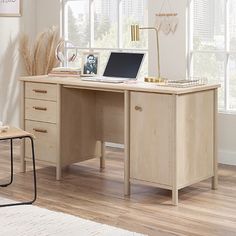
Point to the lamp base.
(151, 79)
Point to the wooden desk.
(169, 134)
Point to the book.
(65, 72)
(63, 75)
(66, 69)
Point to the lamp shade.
(134, 32)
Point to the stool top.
(13, 132)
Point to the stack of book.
(65, 72)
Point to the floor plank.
(88, 193)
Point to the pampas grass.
(26, 53)
(39, 59)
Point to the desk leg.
(58, 173)
(215, 158)
(176, 135)
(214, 182)
(103, 155)
(127, 144)
(59, 137)
(175, 196)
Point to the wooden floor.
(88, 193)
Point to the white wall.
(10, 64)
(227, 139)
(47, 14)
(173, 60)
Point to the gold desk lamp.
(136, 37)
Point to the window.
(213, 46)
(104, 25)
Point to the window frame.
(119, 47)
(226, 53)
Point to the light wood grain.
(58, 138)
(103, 155)
(78, 125)
(215, 142)
(174, 145)
(195, 135)
(168, 132)
(40, 110)
(127, 166)
(45, 142)
(41, 116)
(172, 139)
(110, 116)
(150, 140)
(138, 86)
(41, 91)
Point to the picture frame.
(10, 7)
(90, 64)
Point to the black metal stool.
(11, 134)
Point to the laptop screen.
(124, 65)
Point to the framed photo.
(10, 7)
(90, 64)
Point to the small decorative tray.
(184, 83)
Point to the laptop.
(121, 67)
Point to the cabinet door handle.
(40, 91)
(40, 130)
(40, 108)
(138, 108)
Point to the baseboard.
(227, 157)
(114, 145)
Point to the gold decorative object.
(154, 80)
(136, 37)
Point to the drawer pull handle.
(138, 108)
(40, 91)
(40, 108)
(40, 130)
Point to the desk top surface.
(139, 86)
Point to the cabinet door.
(151, 138)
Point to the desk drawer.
(41, 91)
(39, 110)
(45, 142)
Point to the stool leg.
(34, 177)
(34, 170)
(11, 179)
(102, 157)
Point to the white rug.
(31, 220)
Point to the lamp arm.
(158, 49)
